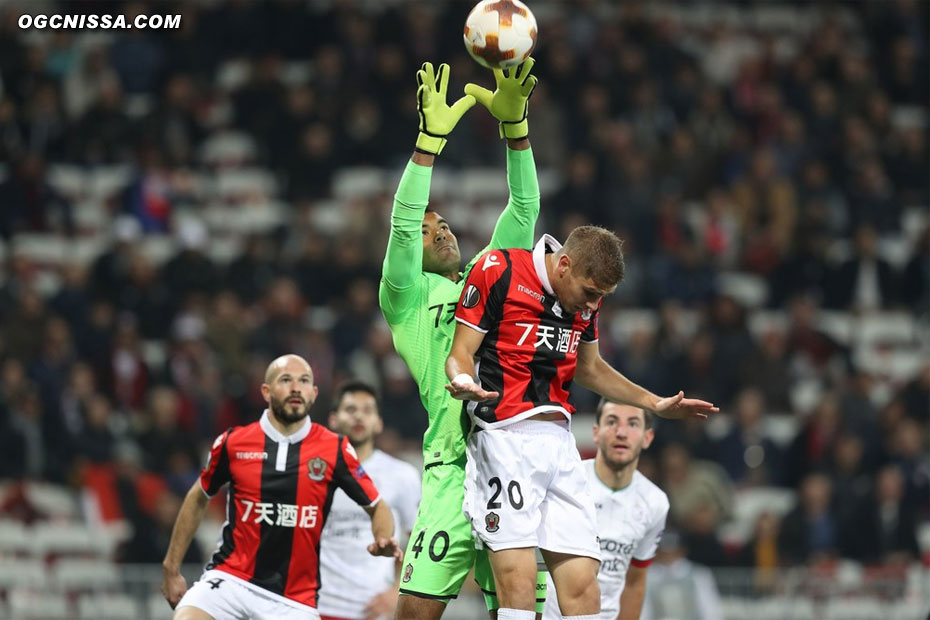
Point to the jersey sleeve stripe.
(472, 325)
(641, 563)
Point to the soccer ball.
(500, 33)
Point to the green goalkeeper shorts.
(442, 551)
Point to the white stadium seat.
(85, 574)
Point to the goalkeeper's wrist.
(430, 144)
(515, 131)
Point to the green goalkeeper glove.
(510, 102)
(436, 118)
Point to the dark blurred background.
(178, 207)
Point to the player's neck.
(452, 275)
(615, 479)
(286, 429)
(364, 450)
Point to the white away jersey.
(350, 576)
(629, 524)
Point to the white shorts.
(525, 487)
(229, 598)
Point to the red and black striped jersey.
(530, 347)
(280, 491)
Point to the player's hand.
(466, 389)
(382, 605)
(678, 407)
(510, 102)
(173, 588)
(437, 119)
(386, 547)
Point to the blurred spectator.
(768, 210)
(23, 453)
(151, 533)
(866, 281)
(811, 448)
(678, 588)
(96, 441)
(30, 203)
(761, 552)
(190, 274)
(810, 532)
(766, 370)
(699, 532)
(691, 485)
(749, 456)
(137, 56)
(849, 474)
(149, 196)
(813, 350)
(105, 136)
(163, 440)
(883, 527)
(915, 286)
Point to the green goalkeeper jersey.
(420, 307)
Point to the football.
(500, 33)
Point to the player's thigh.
(441, 550)
(574, 576)
(213, 596)
(569, 522)
(191, 613)
(505, 484)
(268, 608)
(484, 577)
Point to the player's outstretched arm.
(382, 528)
(598, 376)
(459, 366)
(191, 514)
(509, 104)
(403, 261)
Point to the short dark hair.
(353, 385)
(647, 415)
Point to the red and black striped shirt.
(280, 491)
(530, 347)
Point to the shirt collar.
(276, 435)
(539, 259)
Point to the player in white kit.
(353, 586)
(631, 511)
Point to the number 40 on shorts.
(437, 548)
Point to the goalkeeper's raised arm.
(509, 104)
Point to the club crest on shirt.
(492, 522)
(316, 469)
(408, 573)
(472, 296)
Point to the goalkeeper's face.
(440, 247)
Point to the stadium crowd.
(791, 153)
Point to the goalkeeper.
(420, 287)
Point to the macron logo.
(537, 296)
(252, 456)
(490, 261)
